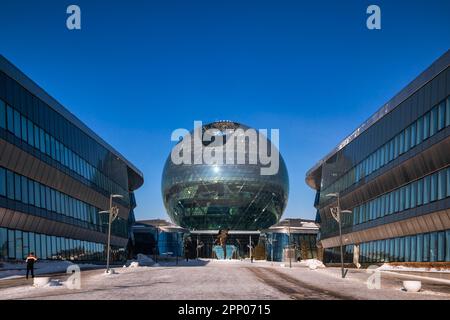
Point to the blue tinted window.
(441, 121)
(433, 187)
(32, 243)
(42, 141)
(413, 242)
(11, 244)
(448, 182)
(413, 135)
(2, 182)
(36, 137)
(10, 184)
(24, 128)
(419, 252)
(31, 192)
(441, 246)
(426, 126)
(17, 188)
(447, 240)
(447, 112)
(2, 114)
(30, 133)
(24, 192)
(19, 245)
(38, 245)
(10, 119)
(442, 176)
(37, 194)
(407, 249)
(426, 247)
(426, 189)
(17, 130)
(3, 243)
(433, 247)
(419, 131)
(433, 121)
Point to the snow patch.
(388, 267)
(15, 270)
(312, 263)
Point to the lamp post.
(113, 212)
(336, 214)
(289, 244)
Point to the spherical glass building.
(225, 196)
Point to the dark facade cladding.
(393, 174)
(224, 196)
(55, 177)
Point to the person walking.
(31, 259)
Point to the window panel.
(433, 121)
(426, 247)
(426, 189)
(19, 245)
(24, 129)
(413, 248)
(447, 237)
(24, 192)
(11, 244)
(36, 137)
(17, 129)
(10, 119)
(441, 184)
(38, 246)
(17, 188)
(433, 247)
(441, 246)
(32, 242)
(441, 116)
(30, 133)
(419, 135)
(2, 114)
(2, 182)
(426, 126)
(31, 192)
(42, 142)
(37, 194)
(413, 135)
(419, 252)
(447, 112)
(433, 187)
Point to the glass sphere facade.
(224, 196)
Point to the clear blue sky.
(137, 70)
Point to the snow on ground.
(16, 270)
(388, 267)
(212, 279)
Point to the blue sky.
(137, 70)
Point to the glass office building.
(55, 176)
(298, 235)
(225, 196)
(158, 238)
(393, 174)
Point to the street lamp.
(289, 244)
(336, 214)
(113, 212)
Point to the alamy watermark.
(228, 146)
(374, 20)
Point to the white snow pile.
(141, 261)
(388, 267)
(15, 270)
(312, 263)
